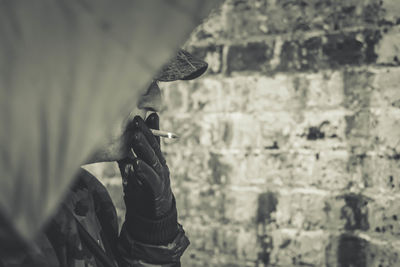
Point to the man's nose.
(152, 100)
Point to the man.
(84, 232)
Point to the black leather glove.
(147, 190)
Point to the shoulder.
(104, 207)
(90, 181)
(101, 197)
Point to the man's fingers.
(144, 151)
(127, 173)
(125, 167)
(151, 139)
(153, 122)
(147, 176)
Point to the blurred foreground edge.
(68, 69)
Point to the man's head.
(183, 67)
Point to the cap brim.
(183, 67)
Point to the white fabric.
(68, 69)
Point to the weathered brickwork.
(290, 144)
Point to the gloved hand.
(146, 178)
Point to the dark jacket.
(84, 233)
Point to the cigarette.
(164, 134)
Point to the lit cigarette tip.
(164, 134)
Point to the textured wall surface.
(290, 144)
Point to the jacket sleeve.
(138, 254)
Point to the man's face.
(116, 147)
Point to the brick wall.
(290, 144)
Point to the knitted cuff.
(156, 232)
